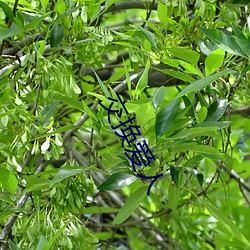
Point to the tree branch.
(236, 177)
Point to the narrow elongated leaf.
(41, 243)
(6, 33)
(13, 246)
(117, 181)
(49, 244)
(67, 172)
(8, 180)
(193, 132)
(98, 210)
(162, 12)
(7, 10)
(173, 196)
(223, 41)
(174, 172)
(56, 35)
(34, 184)
(186, 54)
(143, 81)
(229, 224)
(197, 85)
(166, 117)
(177, 74)
(158, 97)
(216, 110)
(219, 125)
(104, 89)
(9, 211)
(70, 101)
(244, 45)
(132, 203)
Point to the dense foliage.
(181, 68)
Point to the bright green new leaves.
(162, 12)
(166, 117)
(229, 225)
(214, 61)
(8, 180)
(197, 85)
(56, 35)
(185, 54)
(117, 181)
(216, 110)
(132, 203)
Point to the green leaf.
(132, 203)
(197, 85)
(117, 181)
(8, 180)
(223, 41)
(162, 12)
(173, 196)
(56, 35)
(202, 114)
(166, 117)
(216, 110)
(104, 89)
(7, 10)
(147, 35)
(219, 125)
(13, 246)
(66, 172)
(174, 172)
(99, 210)
(158, 97)
(193, 132)
(177, 74)
(49, 244)
(34, 183)
(44, 3)
(186, 54)
(214, 61)
(9, 32)
(49, 110)
(70, 101)
(41, 243)
(198, 175)
(227, 223)
(143, 81)
(9, 211)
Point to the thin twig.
(148, 13)
(235, 176)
